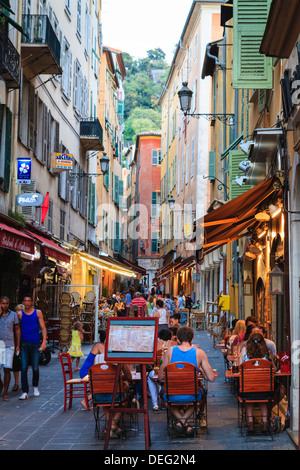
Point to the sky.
(135, 26)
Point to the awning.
(107, 262)
(174, 267)
(233, 220)
(135, 267)
(5, 15)
(52, 249)
(15, 240)
(282, 28)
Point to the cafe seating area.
(257, 382)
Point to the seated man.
(185, 352)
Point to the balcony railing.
(40, 47)
(10, 61)
(91, 134)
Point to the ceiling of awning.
(234, 219)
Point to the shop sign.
(13, 242)
(23, 171)
(61, 161)
(29, 200)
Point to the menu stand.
(144, 410)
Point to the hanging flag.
(45, 207)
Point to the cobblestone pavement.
(42, 424)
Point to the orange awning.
(233, 220)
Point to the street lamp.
(276, 281)
(185, 100)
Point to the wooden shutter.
(92, 203)
(28, 212)
(116, 198)
(7, 163)
(235, 158)
(251, 70)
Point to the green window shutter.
(235, 158)
(116, 198)
(106, 179)
(212, 165)
(117, 237)
(154, 241)
(92, 203)
(121, 192)
(251, 70)
(7, 164)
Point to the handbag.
(16, 363)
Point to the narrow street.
(41, 423)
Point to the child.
(75, 349)
(17, 362)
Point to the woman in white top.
(163, 315)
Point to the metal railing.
(91, 128)
(38, 30)
(10, 61)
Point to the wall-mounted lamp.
(185, 100)
(276, 281)
(248, 286)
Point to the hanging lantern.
(248, 286)
(276, 281)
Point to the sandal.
(189, 431)
(179, 428)
(15, 388)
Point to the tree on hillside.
(142, 92)
(141, 120)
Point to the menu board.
(131, 340)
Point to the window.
(193, 157)
(178, 177)
(66, 84)
(187, 162)
(68, 7)
(50, 216)
(79, 18)
(78, 88)
(87, 44)
(196, 47)
(156, 157)
(154, 242)
(5, 146)
(62, 225)
(155, 204)
(181, 176)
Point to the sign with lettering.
(61, 161)
(13, 239)
(29, 199)
(23, 171)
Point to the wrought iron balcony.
(91, 134)
(40, 48)
(10, 61)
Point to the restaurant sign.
(23, 171)
(61, 161)
(13, 241)
(29, 200)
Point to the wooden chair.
(181, 378)
(256, 385)
(102, 380)
(198, 319)
(74, 388)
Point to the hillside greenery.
(143, 85)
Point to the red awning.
(52, 249)
(14, 239)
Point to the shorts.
(9, 357)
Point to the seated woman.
(163, 342)
(185, 352)
(256, 348)
(96, 356)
